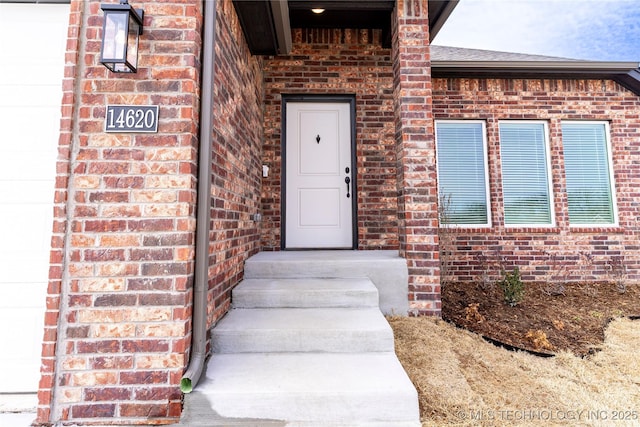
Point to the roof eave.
(625, 73)
(631, 81)
(570, 65)
(439, 12)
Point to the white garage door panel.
(22, 275)
(19, 135)
(31, 72)
(25, 192)
(24, 253)
(39, 163)
(23, 227)
(23, 300)
(29, 96)
(14, 333)
(44, 19)
(17, 373)
(16, 272)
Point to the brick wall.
(118, 322)
(118, 307)
(560, 252)
(331, 61)
(236, 160)
(415, 151)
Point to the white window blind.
(462, 177)
(525, 174)
(588, 175)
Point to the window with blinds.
(525, 174)
(462, 173)
(587, 164)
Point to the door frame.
(347, 99)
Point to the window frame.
(549, 174)
(485, 162)
(612, 182)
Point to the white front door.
(319, 175)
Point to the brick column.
(417, 189)
(119, 299)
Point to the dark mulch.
(548, 320)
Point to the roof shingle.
(447, 53)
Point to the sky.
(599, 30)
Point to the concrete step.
(263, 330)
(306, 389)
(305, 293)
(320, 264)
(306, 344)
(386, 270)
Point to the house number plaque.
(131, 118)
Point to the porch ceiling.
(267, 23)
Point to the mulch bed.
(549, 319)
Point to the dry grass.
(463, 380)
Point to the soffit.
(261, 24)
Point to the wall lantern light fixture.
(120, 32)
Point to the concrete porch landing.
(385, 269)
(306, 344)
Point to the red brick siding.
(331, 61)
(415, 145)
(560, 252)
(236, 161)
(119, 298)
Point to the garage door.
(32, 40)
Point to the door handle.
(347, 181)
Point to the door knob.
(347, 181)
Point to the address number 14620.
(131, 118)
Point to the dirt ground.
(548, 320)
(463, 380)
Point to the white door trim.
(346, 103)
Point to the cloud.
(585, 29)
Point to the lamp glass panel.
(132, 42)
(121, 68)
(115, 36)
